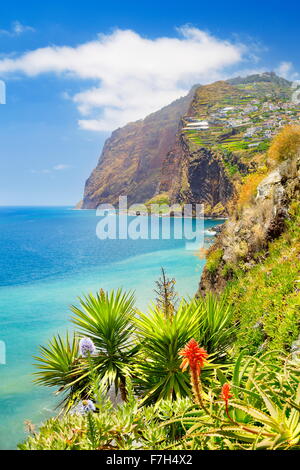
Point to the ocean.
(48, 257)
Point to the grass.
(269, 316)
(213, 261)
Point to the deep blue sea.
(48, 257)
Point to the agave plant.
(263, 411)
(108, 320)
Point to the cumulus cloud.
(17, 28)
(133, 75)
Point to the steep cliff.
(220, 138)
(256, 261)
(250, 230)
(132, 157)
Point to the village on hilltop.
(244, 122)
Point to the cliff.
(132, 157)
(255, 260)
(250, 230)
(196, 150)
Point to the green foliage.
(57, 361)
(213, 260)
(268, 316)
(166, 296)
(108, 320)
(124, 427)
(161, 340)
(263, 146)
(263, 412)
(216, 325)
(162, 198)
(59, 366)
(131, 344)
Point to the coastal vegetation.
(174, 378)
(225, 402)
(219, 371)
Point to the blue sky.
(76, 70)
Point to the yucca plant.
(107, 319)
(60, 366)
(216, 327)
(161, 340)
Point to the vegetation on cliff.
(173, 394)
(220, 371)
(251, 403)
(256, 258)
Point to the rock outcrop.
(197, 177)
(246, 234)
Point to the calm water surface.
(49, 257)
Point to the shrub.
(255, 405)
(213, 260)
(128, 426)
(286, 144)
(130, 345)
(266, 297)
(248, 189)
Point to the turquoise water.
(48, 257)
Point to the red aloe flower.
(226, 395)
(194, 356)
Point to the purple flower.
(84, 407)
(86, 347)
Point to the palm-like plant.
(108, 320)
(216, 328)
(144, 348)
(161, 340)
(59, 366)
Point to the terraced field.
(239, 118)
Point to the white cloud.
(47, 171)
(61, 167)
(17, 28)
(133, 75)
(286, 70)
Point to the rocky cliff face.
(195, 150)
(245, 235)
(132, 158)
(197, 176)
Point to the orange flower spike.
(193, 356)
(226, 395)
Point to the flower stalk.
(195, 358)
